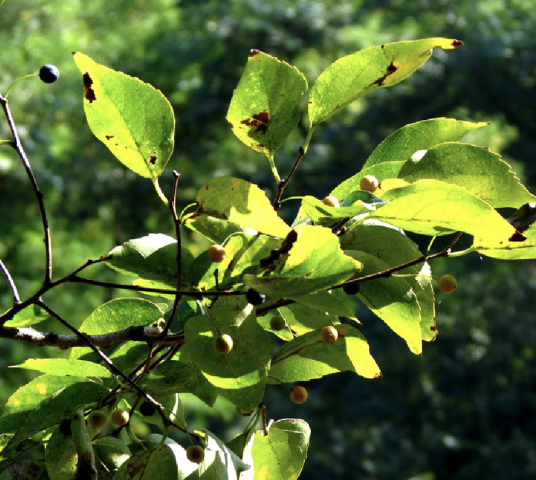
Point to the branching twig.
(50, 339)
(39, 195)
(284, 183)
(10, 282)
(117, 371)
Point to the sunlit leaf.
(356, 75)
(60, 457)
(264, 108)
(133, 119)
(240, 202)
(27, 316)
(67, 367)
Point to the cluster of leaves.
(273, 303)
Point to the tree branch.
(39, 195)
(284, 183)
(10, 282)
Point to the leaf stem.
(160, 193)
(284, 183)
(275, 173)
(10, 282)
(30, 75)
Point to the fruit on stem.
(195, 453)
(369, 183)
(299, 395)
(49, 73)
(216, 253)
(329, 334)
(447, 283)
(331, 201)
(120, 417)
(277, 323)
(147, 409)
(223, 344)
(96, 420)
(254, 297)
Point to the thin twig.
(51, 339)
(10, 282)
(17, 145)
(284, 183)
(110, 364)
(177, 223)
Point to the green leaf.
(159, 462)
(394, 248)
(264, 108)
(356, 75)
(133, 119)
(307, 357)
(280, 455)
(67, 367)
(111, 451)
(220, 463)
(214, 229)
(389, 157)
(205, 391)
(26, 399)
(243, 253)
(172, 377)
(335, 302)
(119, 314)
(393, 300)
(153, 257)
(27, 316)
(240, 202)
(322, 214)
(481, 172)
(240, 375)
(512, 250)
(431, 207)
(314, 262)
(60, 457)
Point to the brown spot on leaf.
(457, 43)
(263, 116)
(89, 93)
(152, 160)
(517, 237)
(392, 68)
(109, 137)
(433, 328)
(253, 52)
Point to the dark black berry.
(147, 409)
(65, 427)
(254, 297)
(49, 73)
(351, 289)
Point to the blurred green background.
(466, 409)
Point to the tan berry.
(329, 334)
(120, 417)
(299, 395)
(195, 453)
(331, 202)
(448, 284)
(96, 420)
(216, 253)
(369, 183)
(277, 323)
(223, 344)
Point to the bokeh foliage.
(463, 410)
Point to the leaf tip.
(456, 43)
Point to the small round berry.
(254, 297)
(216, 253)
(299, 395)
(351, 289)
(329, 334)
(120, 417)
(369, 183)
(49, 73)
(65, 427)
(195, 453)
(97, 419)
(223, 344)
(277, 323)
(331, 201)
(448, 284)
(147, 409)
